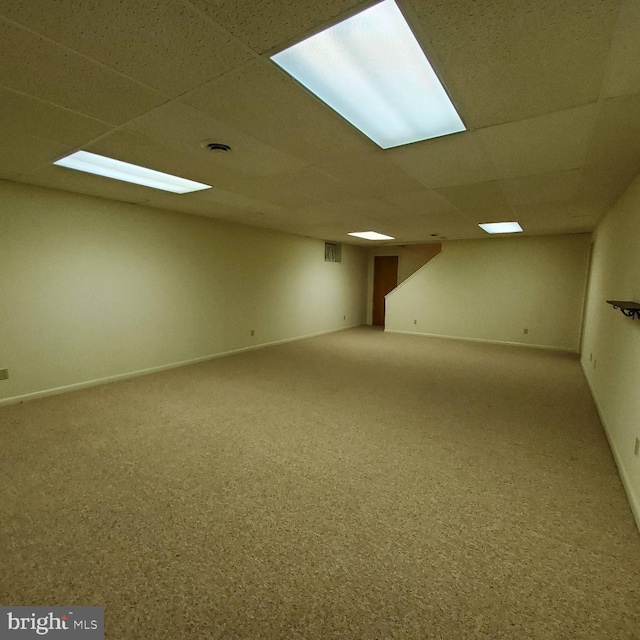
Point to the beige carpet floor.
(357, 485)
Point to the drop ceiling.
(549, 92)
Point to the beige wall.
(496, 288)
(91, 288)
(611, 345)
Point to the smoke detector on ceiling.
(212, 145)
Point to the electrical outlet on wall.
(4, 374)
(636, 449)
(415, 322)
(526, 331)
(253, 333)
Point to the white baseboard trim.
(634, 501)
(504, 342)
(143, 372)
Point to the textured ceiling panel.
(180, 126)
(604, 184)
(507, 60)
(26, 115)
(42, 69)
(358, 212)
(424, 229)
(424, 203)
(428, 226)
(199, 206)
(261, 101)
(485, 200)
(443, 162)
(372, 175)
(559, 225)
(265, 24)
(163, 43)
(558, 212)
(553, 142)
(131, 147)
(616, 139)
(544, 147)
(21, 153)
(623, 69)
(314, 184)
(275, 189)
(235, 200)
(136, 149)
(542, 188)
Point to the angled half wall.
(527, 290)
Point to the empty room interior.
(321, 319)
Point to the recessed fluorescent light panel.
(372, 71)
(118, 170)
(371, 235)
(501, 227)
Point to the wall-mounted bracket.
(628, 308)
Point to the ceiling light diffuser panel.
(372, 71)
(501, 227)
(371, 235)
(118, 170)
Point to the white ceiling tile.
(236, 200)
(242, 216)
(542, 188)
(423, 203)
(372, 174)
(484, 200)
(165, 44)
(559, 211)
(297, 166)
(504, 60)
(443, 162)
(193, 164)
(260, 100)
(314, 185)
(197, 205)
(559, 225)
(131, 147)
(616, 138)
(352, 213)
(29, 116)
(21, 153)
(264, 24)
(197, 164)
(552, 142)
(429, 227)
(9, 175)
(602, 185)
(278, 189)
(623, 69)
(42, 69)
(178, 125)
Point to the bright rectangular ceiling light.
(371, 235)
(501, 227)
(372, 71)
(118, 170)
